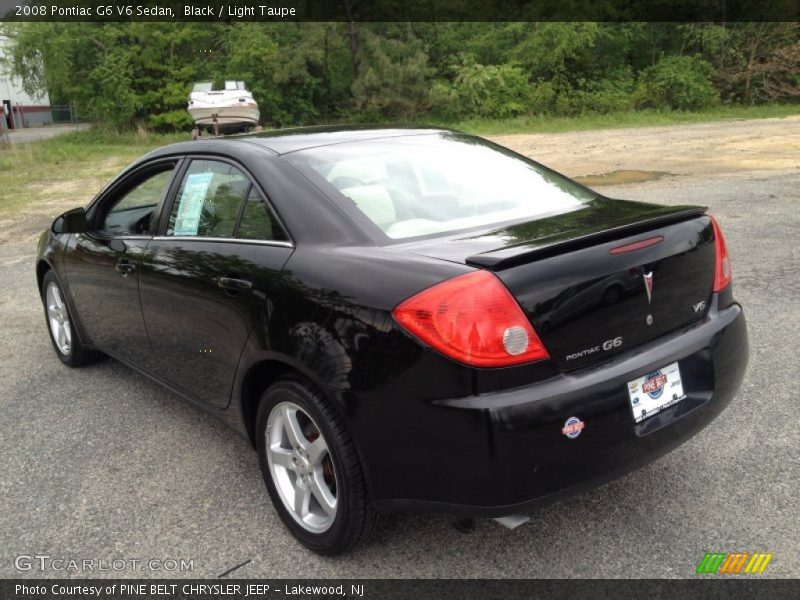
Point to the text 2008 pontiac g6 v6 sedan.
(402, 319)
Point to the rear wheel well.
(259, 378)
(262, 375)
(41, 268)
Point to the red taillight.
(722, 273)
(473, 319)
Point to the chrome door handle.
(234, 285)
(125, 266)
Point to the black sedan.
(402, 319)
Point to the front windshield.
(203, 86)
(420, 185)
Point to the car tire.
(353, 519)
(61, 326)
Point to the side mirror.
(72, 221)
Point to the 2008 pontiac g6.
(402, 319)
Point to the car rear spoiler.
(510, 256)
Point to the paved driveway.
(34, 134)
(102, 463)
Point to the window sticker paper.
(190, 206)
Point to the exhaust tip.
(513, 521)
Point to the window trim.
(161, 232)
(240, 213)
(179, 184)
(200, 238)
(123, 185)
(242, 210)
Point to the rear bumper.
(502, 453)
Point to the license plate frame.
(652, 393)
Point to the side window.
(208, 200)
(130, 214)
(258, 223)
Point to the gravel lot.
(34, 134)
(102, 463)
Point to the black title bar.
(706, 588)
(402, 10)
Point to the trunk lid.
(600, 280)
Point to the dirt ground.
(54, 196)
(34, 134)
(730, 147)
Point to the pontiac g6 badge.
(573, 427)
(648, 285)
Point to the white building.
(18, 109)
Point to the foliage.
(498, 91)
(760, 63)
(606, 96)
(139, 74)
(677, 82)
(394, 80)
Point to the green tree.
(128, 74)
(117, 73)
(677, 82)
(394, 78)
(498, 91)
(760, 62)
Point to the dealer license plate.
(655, 391)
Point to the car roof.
(282, 141)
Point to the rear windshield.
(412, 186)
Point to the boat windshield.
(203, 86)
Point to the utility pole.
(5, 140)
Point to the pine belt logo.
(654, 384)
(734, 563)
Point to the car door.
(208, 274)
(102, 267)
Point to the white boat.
(233, 108)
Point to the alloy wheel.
(58, 319)
(301, 467)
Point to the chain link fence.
(34, 117)
(65, 113)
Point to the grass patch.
(31, 173)
(639, 118)
(74, 166)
